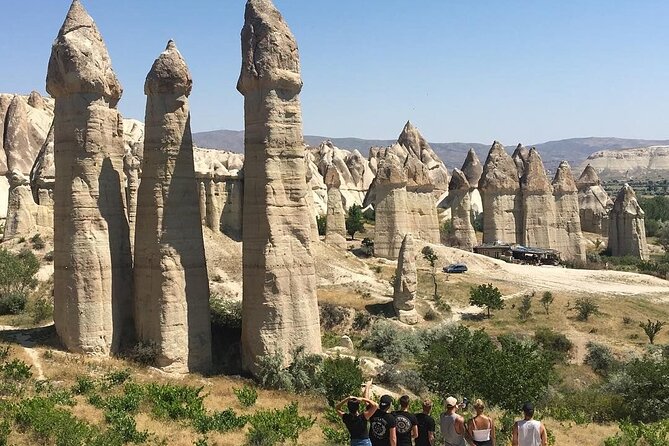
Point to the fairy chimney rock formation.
(500, 190)
(406, 281)
(417, 146)
(569, 238)
(521, 157)
(627, 230)
(24, 216)
(280, 310)
(538, 208)
(93, 265)
(171, 284)
(335, 225)
(594, 203)
(473, 169)
(461, 233)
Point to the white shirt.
(529, 433)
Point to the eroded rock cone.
(569, 238)
(627, 230)
(406, 281)
(335, 226)
(280, 310)
(500, 191)
(539, 219)
(461, 232)
(594, 203)
(417, 145)
(171, 284)
(521, 157)
(93, 264)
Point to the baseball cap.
(451, 402)
(385, 401)
(528, 407)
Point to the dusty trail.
(28, 346)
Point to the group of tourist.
(377, 426)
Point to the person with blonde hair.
(481, 428)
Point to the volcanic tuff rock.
(417, 146)
(500, 191)
(311, 172)
(280, 309)
(650, 162)
(569, 238)
(92, 260)
(24, 216)
(594, 203)
(406, 281)
(335, 227)
(521, 157)
(461, 234)
(538, 207)
(171, 284)
(627, 230)
(473, 169)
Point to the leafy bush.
(144, 353)
(332, 315)
(391, 343)
(16, 370)
(13, 302)
(83, 386)
(37, 242)
(525, 308)
(592, 405)
(340, 377)
(354, 221)
(469, 363)
(17, 271)
(303, 371)
(396, 376)
(656, 434)
(225, 313)
(272, 374)
(547, 301)
(652, 329)
(116, 377)
(557, 345)
(600, 358)
(486, 296)
(247, 395)
(221, 422)
(321, 221)
(361, 320)
(271, 427)
(585, 307)
(42, 310)
(175, 402)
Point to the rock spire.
(538, 208)
(280, 310)
(335, 227)
(627, 230)
(171, 284)
(594, 203)
(569, 238)
(461, 232)
(93, 265)
(406, 281)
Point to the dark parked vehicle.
(456, 268)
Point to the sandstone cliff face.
(638, 162)
(171, 284)
(406, 282)
(335, 228)
(538, 209)
(627, 230)
(279, 305)
(594, 203)
(462, 234)
(93, 265)
(500, 191)
(24, 216)
(569, 238)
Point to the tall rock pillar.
(406, 283)
(461, 234)
(538, 210)
(500, 191)
(627, 230)
(171, 284)
(335, 225)
(569, 237)
(93, 265)
(280, 309)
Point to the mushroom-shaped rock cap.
(472, 168)
(270, 58)
(169, 74)
(499, 171)
(626, 202)
(458, 181)
(332, 178)
(563, 182)
(79, 62)
(418, 176)
(534, 178)
(589, 177)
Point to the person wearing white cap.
(452, 425)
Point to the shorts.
(361, 442)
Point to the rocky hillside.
(641, 163)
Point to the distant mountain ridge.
(574, 150)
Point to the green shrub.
(16, 370)
(361, 320)
(338, 436)
(42, 310)
(557, 345)
(5, 430)
(247, 395)
(591, 405)
(600, 358)
(225, 313)
(525, 308)
(116, 378)
(143, 353)
(656, 434)
(175, 402)
(124, 427)
(83, 386)
(546, 301)
(222, 422)
(486, 296)
(271, 427)
(340, 377)
(585, 308)
(332, 315)
(17, 271)
(321, 221)
(354, 221)
(397, 376)
(37, 242)
(272, 374)
(391, 343)
(13, 302)
(4, 352)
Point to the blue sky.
(471, 71)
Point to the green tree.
(339, 378)
(321, 222)
(432, 258)
(525, 308)
(547, 300)
(585, 307)
(486, 296)
(354, 221)
(662, 236)
(652, 329)
(17, 271)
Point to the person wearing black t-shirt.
(426, 425)
(356, 422)
(406, 423)
(382, 425)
